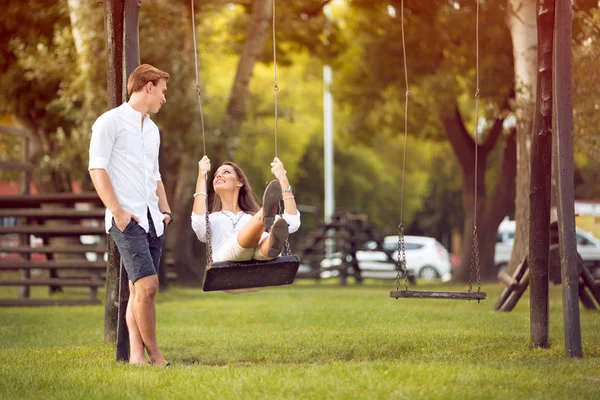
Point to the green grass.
(304, 341)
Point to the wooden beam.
(16, 166)
(113, 34)
(51, 282)
(506, 294)
(69, 264)
(11, 130)
(563, 135)
(46, 302)
(514, 297)
(540, 184)
(507, 280)
(43, 230)
(590, 282)
(19, 201)
(74, 249)
(584, 297)
(48, 213)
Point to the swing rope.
(475, 248)
(474, 260)
(401, 243)
(275, 86)
(286, 249)
(209, 259)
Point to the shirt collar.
(132, 112)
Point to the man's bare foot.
(138, 362)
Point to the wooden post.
(24, 291)
(113, 31)
(563, 134)
(122, 330)
(132, 60)
(132, 44)
(539, 192)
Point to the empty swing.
(232, 275)
(401, 259)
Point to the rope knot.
(275, 88)
(477, 93)
(198, 90)
(407, 94)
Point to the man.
(124, 169)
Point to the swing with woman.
(250, 242)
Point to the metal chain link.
(287, 250)
(209, 259)
(401, 259)
(474, 261)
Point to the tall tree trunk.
(490, 210)
(253, 47)
(521, 21)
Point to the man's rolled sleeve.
(156, 170)
(101, 144)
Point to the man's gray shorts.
(140, 250)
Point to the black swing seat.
(228, 275)
(420, 294)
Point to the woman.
(239, 229)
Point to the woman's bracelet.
(200, 194)
(288, 197)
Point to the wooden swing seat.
(229, 275)
(420, 294)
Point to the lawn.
(302, 341)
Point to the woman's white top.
(224, 225)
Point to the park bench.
(64, 220)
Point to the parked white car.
(588, 246)
(426, 259)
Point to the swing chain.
(287, 250)
(401, 256)
(209, 259)
(401, 259)
(475, 261)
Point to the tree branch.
(460, 140)
(501, 202)
(316, 11)
(496, 129)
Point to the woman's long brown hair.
(246, 200)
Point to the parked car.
(588, 246)
(426, 258)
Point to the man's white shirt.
(128, 151)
